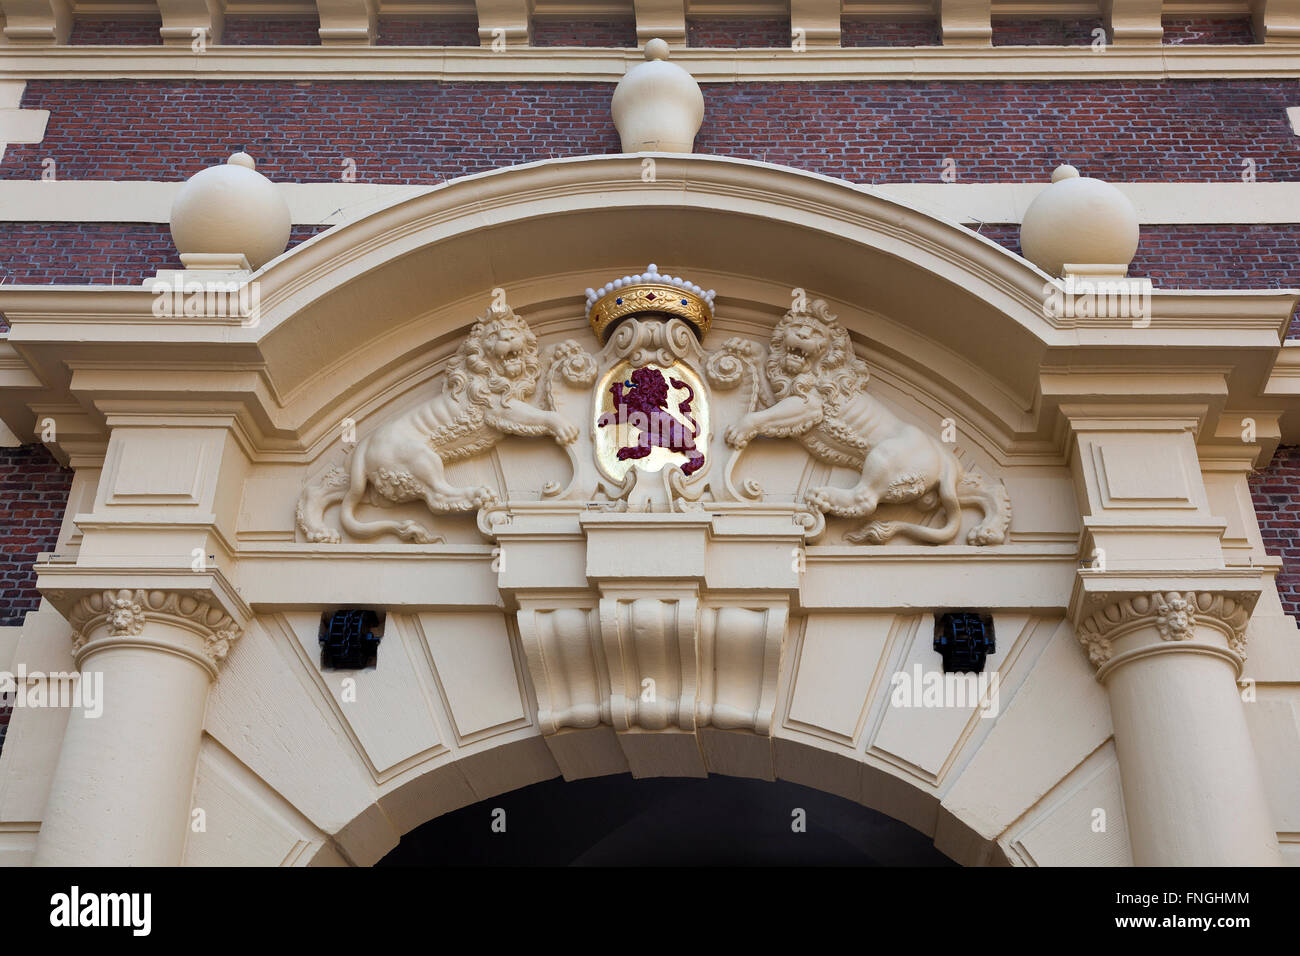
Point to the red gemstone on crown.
(650, 295)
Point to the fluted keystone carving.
(124, 613)
(654, 663)
(1173, 615)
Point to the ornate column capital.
(119, 617)
(1117, 626)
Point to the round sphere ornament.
(229, 209)
(1078, 220)
(657, 106)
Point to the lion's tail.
(685, 405)
(356, 491)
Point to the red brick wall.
(1009, 132)
(1127, 131)
(252, 31)
(854, 33)
(1276, 491)
(1180, 30)
(733, 33)
(55, 253)
(81, 253)
(1045, 32)
(621, 32)
(394, 32)
(33, 495)
(115, 33)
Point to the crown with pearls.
(649, 294)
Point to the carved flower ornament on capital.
(663, 427)
(124, 613)
(1172, 614)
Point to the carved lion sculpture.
(643, 403)
(484, 397)
(816, 393)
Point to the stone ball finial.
(657, 105)
(1078, 220)
(231, 209)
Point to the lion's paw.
(484, 497)
(738, 437)
(324, 536)
(566, 433)
(819, 498)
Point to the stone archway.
(517, 648)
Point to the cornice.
(605, 65)
(65, 584)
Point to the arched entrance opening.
(665, 821)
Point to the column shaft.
(1193, 791)
(122, 788)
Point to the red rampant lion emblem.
(642, 403)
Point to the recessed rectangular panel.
(1143, 471)
(159, 466)
(837, 663)
(471, 655)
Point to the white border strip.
(970, 203)
(590, 64)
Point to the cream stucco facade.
(1147, 675)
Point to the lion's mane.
(475, 373)
(837, 375)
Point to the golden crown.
(649, 294)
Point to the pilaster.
(1164, 619)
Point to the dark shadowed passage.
(619, 821)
